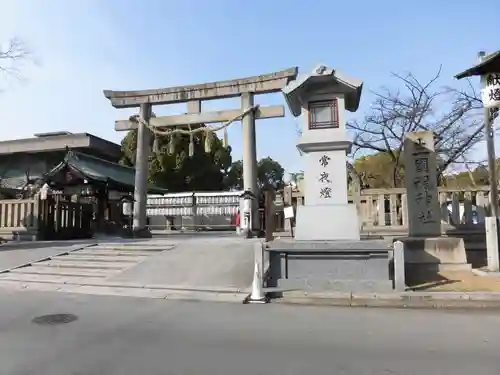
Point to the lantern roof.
(490, 64)
(322, 79)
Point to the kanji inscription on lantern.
(491, 91)
(325, 190)
(324, 160)
(421, 183)
(324, 177)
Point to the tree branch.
(11, 54)
(452, 115)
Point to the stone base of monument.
(432, 255)
(141, 233)
(340, 266)
(327, 223)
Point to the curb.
(129, 290)
(89, 281)
(410, 300)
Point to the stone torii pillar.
(250, 155)
(139, 227)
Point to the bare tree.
(454, 116)
(11, 55)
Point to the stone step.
(66, 271)
(131, 247)
(38, 278)
(106, 252)
(75, 257)
(94, 265)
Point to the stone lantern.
(320, 100)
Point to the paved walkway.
(197, 262)
(174, 267)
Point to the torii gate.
(193, 95)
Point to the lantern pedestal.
(327, 223)
(326, 215)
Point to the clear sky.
(85, 46)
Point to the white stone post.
(399, 266)
(247, 216)
(491, 226)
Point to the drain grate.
(54, 319)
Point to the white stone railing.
(18, 213)
(18, 216)
(383, 210)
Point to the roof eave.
(489, 65)
(292, 91)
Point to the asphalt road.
(128, 336)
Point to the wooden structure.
(50, 219)
(101, 184)
(24, 161)
(88, 187)
(60, 219)
(193, 95)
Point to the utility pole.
(490, 149)
(489, 66)
(491, 222)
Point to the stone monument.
(320, 99)
(421, 183)
(426, 250)
(327, 253)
